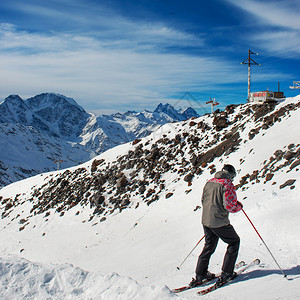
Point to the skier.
(218, 199)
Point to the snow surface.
(134, 254)
(26, 151)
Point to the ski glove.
(240, 204)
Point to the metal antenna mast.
(249, 61)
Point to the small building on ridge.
(266, 96)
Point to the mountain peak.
(164, 107)
(52, 99)
(13, 99)
(189, 113)
(13, 110)
(177, 115)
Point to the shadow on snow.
(291, 274)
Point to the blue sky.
(118, 55)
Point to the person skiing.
(218, 200)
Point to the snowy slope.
(129, 245)
(25, 151)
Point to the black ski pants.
(228, 235)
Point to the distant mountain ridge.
(52, 113)
(52, 127)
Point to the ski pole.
(190, 252)
(264, 244)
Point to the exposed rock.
(295, 164)
(278, 153)
(220, 149)
(269, 176)
(189, 177)
(122, 182)
(287, 183)
(243, 180)
(289, 155)
(95, 164)
(220, 122)
(263, 109)
(97, 200)
(150, 192)
(178, 137)
(169, 195)
(8, 206)
(194, 160)
(197, 207)
(136, 141)
(230, 108)
(142, 189)
(253, 133)
(253, 175)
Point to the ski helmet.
(230, 169)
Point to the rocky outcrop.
(289, 157)
(289, 182)
(220, 121)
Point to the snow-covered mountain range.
(48, 128)
(117, 226)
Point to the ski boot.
(201, 279)
(224, 278)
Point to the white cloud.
(101, 72)
(283, 43)
(106, 25)
(274, 12)
(280, 33)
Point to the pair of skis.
(240, 268)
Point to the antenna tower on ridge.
(249, 61)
